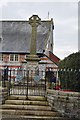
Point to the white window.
(1, 57)
(14, 57)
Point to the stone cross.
(34, 21)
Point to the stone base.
(32, 65)
(32, 58)
(32, 62)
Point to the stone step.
(26, 102)
(26, 107)
(30, 113)
(3, 93)
(35, 98)
(35, 106)
(16, 117)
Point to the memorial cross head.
(34, 21)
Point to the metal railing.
(28, 82)
(24, 82)
(69, 79)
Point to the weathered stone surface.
(17, 117)
(3, 94)
(14, 102)
(35, 103)
(67, 103)
(26, 102)
(36, 106)
(30, 112)
(26, 107)
(18, 97)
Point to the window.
(1, 57)
(14, 57)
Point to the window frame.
(14, 58)
(1, 57)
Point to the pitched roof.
(53, 57)
(16, 36)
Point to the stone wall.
(67, 103)
(3, 95)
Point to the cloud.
(3, 3)
(64, 51)
(65, 16)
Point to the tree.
(70, 74)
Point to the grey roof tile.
(16, 36)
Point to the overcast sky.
(65, 17)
